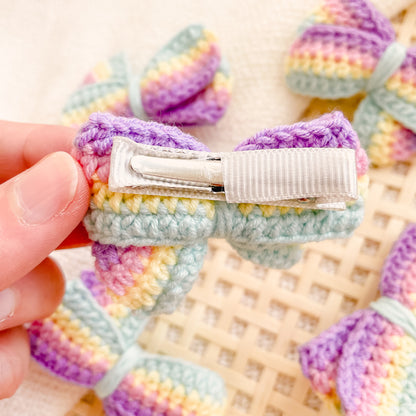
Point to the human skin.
(43, 198)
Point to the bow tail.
(167, 386)
(151, 279)
(278, 256)
(77, 342)
(385, 138)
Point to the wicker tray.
(246, 322)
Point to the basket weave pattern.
(246, 322)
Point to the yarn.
(348, 47)
(149, 249)
(365, 364)
(91, 340)
(187, 82)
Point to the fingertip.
(14, 360)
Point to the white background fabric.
(48, 46)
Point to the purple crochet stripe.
(96, 287)
(99, 131)
(369, 19)
(61, 366)
(355, 355)
(397, 264)
(106, 254)
(355, 39)
(183, 91)
(330, 130)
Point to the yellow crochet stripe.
(178, 63)
(221, 82)
(401, 357)
(327, 67)
(134, 202)
(176, 396)
(267, 210)
(72, 331)
(323, 15)
(405, 90)
(102, 71)
(101, 104)
(380, 150)
(146, 284)
(117, 311)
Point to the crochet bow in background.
(366, 363)
(149, 248)
(348, 47)
(185, 83)
(92, 341)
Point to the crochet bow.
(186, 82)
(348, 47)
(91, 341)
(149, 249)
(365, 364)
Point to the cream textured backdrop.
(48, 46)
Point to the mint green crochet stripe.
(163, 229)
(308, 83)
(397, 314)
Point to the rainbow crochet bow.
(91, 340)
(365, 364)
(149, 248)
(186, 82)
(348, 47)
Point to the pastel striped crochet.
(149, 249)
(348, 47)
(365, 365)
(186, 83)
(91, 340)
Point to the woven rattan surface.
(246, 322)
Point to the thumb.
(38, 209)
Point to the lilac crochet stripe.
(99, 131)
(330, 130)
(60, 365)
(356, 355)
(393, 282)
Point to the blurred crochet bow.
(186, 82)
(365, 364)
(348, 47)
(149, 248)
(91, 341)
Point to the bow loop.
(91, 340)
(348, 47)
(186, 82)
(364, 363)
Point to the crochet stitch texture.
(149, 249)
(365, 364)
(86, 339)
(347, 47)
(186, 83)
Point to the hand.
(43, 198)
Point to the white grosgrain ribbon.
(321, 178)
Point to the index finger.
(24, 144)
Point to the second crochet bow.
(150, 248)
(92, 341)
(348, 47)
(186, 83)
(365, 364)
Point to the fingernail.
(7, 304)
(45, 190)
